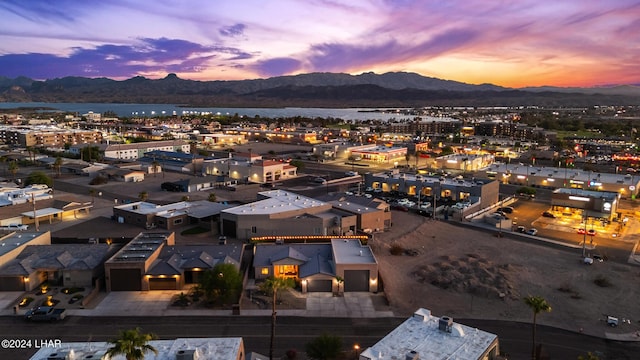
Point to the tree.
(212, 197)
(89, 153)
(132, 344)
(297, 163)
(324, 347)
(92, 192)
(537, 304)
(13, 168)
(271, 286)
(155, 165)
(38, 177)
(222, 284)
(143, 196)
(57, 165)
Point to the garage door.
(162, 284)
(11, 283)
(125, 280)
(319, 285)
(356, 280)
(229, 228)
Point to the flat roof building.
(231, 348)
(424, 336)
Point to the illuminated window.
(265, 271)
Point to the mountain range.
(394, 89)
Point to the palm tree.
(537, 304)
(57, 165)
(92, 192)
(13, 169)
(273, 285)
(155, 165)
(132, 344)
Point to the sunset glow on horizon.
(514, 44)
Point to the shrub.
(602, 281)
(72, 290)
(98, 180)
(396, 250)
(25, 301)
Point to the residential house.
(319, 266)
(169, 216)
(152, 261)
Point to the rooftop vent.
(412, 355)
(445, 323)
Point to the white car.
(15, 227)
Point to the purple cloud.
(149, 55)
(234, 30)
(277, 66)
(337, 57)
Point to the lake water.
(152, 110)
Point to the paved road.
(294, 332)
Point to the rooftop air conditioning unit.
(189, 354)
(60, 355)
(445, 323)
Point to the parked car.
(499, 216)
(506, 209)
(521, 229)
(548, 214)
(45, 313)
(400, 207)
(351, 173)
(532, 232)
(582, 231)
(222, 240)
(427, 213)
(591, 232)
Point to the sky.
(513, 43)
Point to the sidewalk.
(158, 303)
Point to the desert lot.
(468, 273)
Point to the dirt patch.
(471, 274)
(468, 273)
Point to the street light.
(356, 348)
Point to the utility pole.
(35, 215)
(584, 235)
